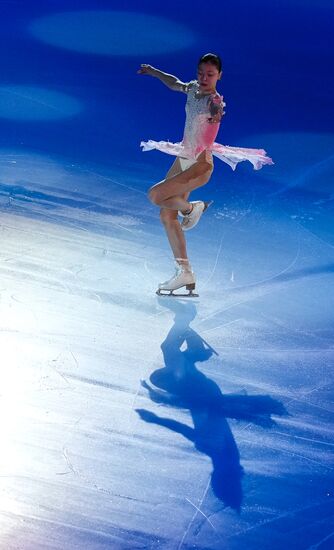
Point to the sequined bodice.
(201, 127)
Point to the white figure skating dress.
(203, 116)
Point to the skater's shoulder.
(191, 86)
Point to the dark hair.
(213, 59)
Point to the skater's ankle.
(188, 211)
(184, 263)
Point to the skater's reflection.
(181, 384)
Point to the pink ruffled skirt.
(230, 155)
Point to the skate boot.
(184, 276)
(190, 220)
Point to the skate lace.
(179, 271)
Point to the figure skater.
(193, 165)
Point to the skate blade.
(190, 288)
(173, 294)
(207, 204)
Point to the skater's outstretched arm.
(169, 80)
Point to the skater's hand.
(216, 105)
(146, 69)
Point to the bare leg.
(172, 195)
(171, 192)
(172, 226)
(174, 233)
(184, 275)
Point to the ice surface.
(136, 421)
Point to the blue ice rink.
(131, 421)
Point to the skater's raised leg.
(170, 192)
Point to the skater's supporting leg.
(169, 219)
(176, 238)
(184, 275)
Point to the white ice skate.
(183, 277)
(190, 220)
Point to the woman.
(193, 165)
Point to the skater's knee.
(154, 196)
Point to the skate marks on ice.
(63, 226)
(182, 385)
(75, 195)
(69, 262)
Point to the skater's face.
(207, 76)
